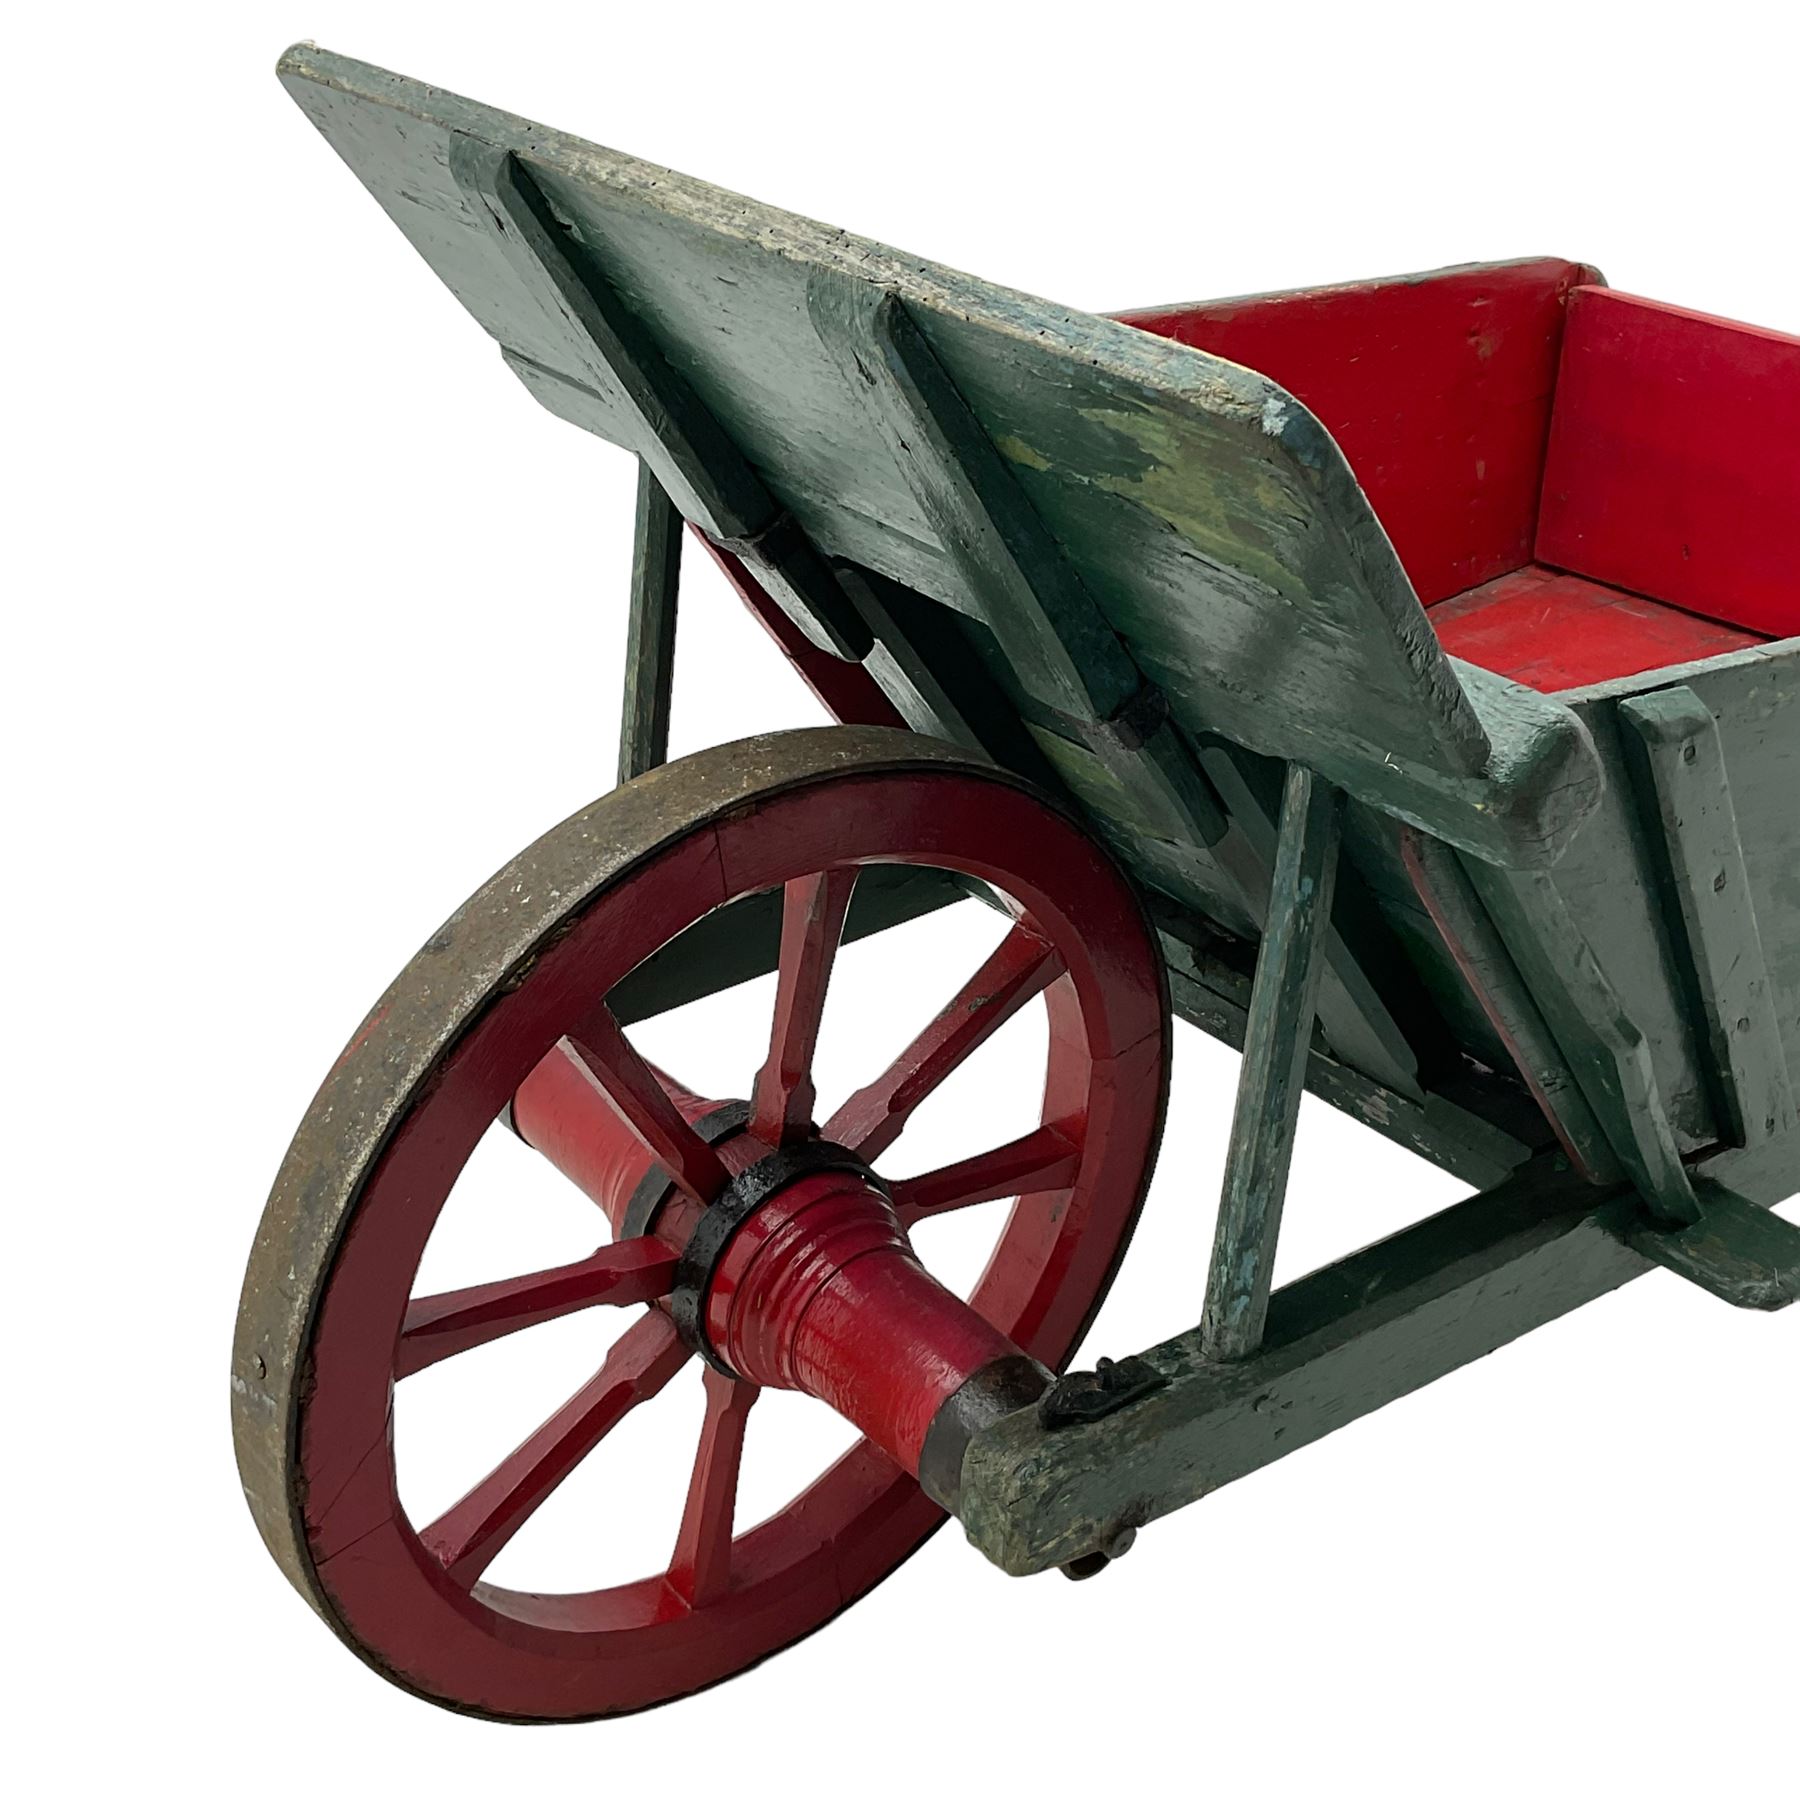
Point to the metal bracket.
(1082, 1396)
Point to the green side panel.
(1755, 700)
(1609, 885)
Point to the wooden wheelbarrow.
(1399, 681)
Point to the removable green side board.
(1664, 949)
(1209, 516)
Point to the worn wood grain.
(1340, 1343)
(1211, 517)
(1279, 1035)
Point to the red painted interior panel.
(1552, 630)
(1674, 463)
(1437, 388)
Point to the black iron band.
(1003, 1386)
(735, 1203)
(650, 1193)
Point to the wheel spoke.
(812, 923)
(441, 1325)
(700, 1570)
(870, 1120)
(629, 1086)
(478, 1527)
(1037, 1163)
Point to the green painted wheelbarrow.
(1398, 681)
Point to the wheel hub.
(506, 1012)
(799, 1274)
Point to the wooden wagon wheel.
(743, 1233)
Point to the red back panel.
(1674, 465)
(1436, 387)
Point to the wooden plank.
(1217, 523)
(1555, 631)
(1608, 892)
(1282, 1007)
(1049, 626)
(1687, 794)
(1737, 1251)
(1340, 1343)
(1437, 388)
(1755, 702)
(650, 630)
(1352, 1005)
(1604, 1043)
(694, 459)
(1674, 462)
(1472, 1129)
(966, 491)
(1481, 955)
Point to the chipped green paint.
(1342, 673)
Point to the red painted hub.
(816, 1288)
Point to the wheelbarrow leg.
(650, 639)
(1276, 1042)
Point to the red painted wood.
(633, 1090)
(846, 690)
(480, 1525)
(875, 1115)
(812, 924)
(412, 1598)
(819, 1291)
(1042, 1160)
(700, 1570)
(1436, 387)
(440, 1325)
(561, 1113)
(1674, 465)
(1553, 631)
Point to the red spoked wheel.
(747, 1235)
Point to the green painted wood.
(1606, 1049)
(1282, 1008)
(1354, 1010)
(1108, 736)
(694, 458)
(1049, 626)
(650, 633)
(1339, 1343)
(1475, 1125)
(1468, 931)
(1754, 699)
(1684, 784)
(1737, 1251)
(1051, 632)
(1212, 520)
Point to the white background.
(313, 619)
